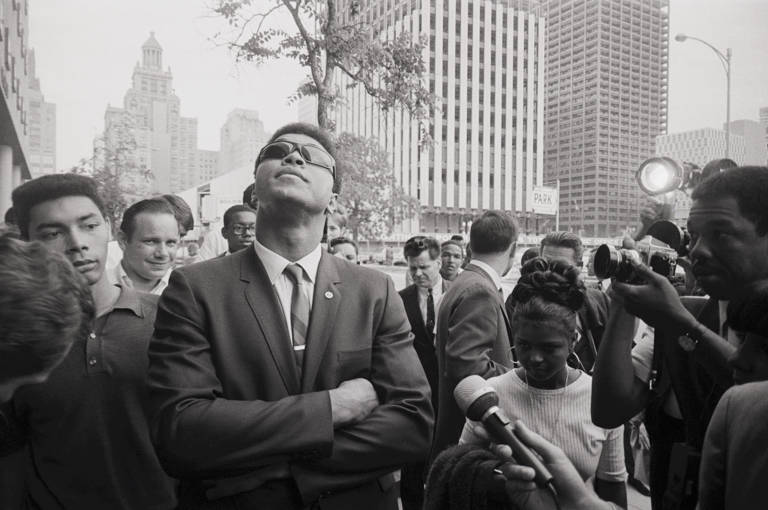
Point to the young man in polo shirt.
(89, 443)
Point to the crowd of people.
(274, 371)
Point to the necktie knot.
(295, 273)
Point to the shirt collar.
(491, 272)
(275, 263)
(129, 300)
(437, 289)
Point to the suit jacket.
(423, 342)
(473, 337)
(228, 404)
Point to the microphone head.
(474, 397)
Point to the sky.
(86, 51)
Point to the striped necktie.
(299, 312)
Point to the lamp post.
(725, 60)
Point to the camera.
(617, 263)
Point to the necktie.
(299, 312)
(430, 313)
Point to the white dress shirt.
(275, 264)
(119, 277)
(437, 295)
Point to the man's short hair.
(748, 311)
(342, 240)
(181, 211)
(52, 187)
(10, 216)
(44, 305)
(458, 238)
(237, 208)
(323, 137)
(417, 244)
(564, 240)
(452, 242)
(148, 205)
(529, 254)
(748, 185)
(493, 232)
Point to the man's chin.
(715, 286)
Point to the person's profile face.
(451, 258)
(151, 249)
(74, 226)
(726, 250)
(293, 179)
(424, 270)
(333, 229)
(750, 361)
(541, 349)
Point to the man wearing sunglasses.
(283, 377)
(239, 228)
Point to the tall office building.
(14, 106)
(764, 123)
(41, 127)
(698, 146)
(485, 64)
(207, 164)
(241, 139)
(166, 142)
(606, 95)
(753, 132)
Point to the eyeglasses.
(311, 153)
(241, 229)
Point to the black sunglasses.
(311, 153)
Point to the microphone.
(479, 402)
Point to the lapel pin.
(328, 294)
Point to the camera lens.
(607, 260)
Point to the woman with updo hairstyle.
(553, 399)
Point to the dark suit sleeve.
(472, 328)
(197, 432)
(399, 430)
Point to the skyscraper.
(241, 138)
(485, 64)
(165, 142)
(41, 127)
(606, 94)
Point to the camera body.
(616, 263)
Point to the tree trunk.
(322, 112)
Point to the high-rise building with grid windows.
(606, 94)
(485, 65)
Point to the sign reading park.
(545, 200)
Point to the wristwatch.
(690, 339)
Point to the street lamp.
(726, 61)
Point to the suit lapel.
(325, 305)
(264, 303)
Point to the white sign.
(545, 200)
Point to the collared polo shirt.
(86, 426)
(119, 277)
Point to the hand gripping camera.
(617, 263)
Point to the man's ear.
(333, 204)
(122, 239)
(224, 232)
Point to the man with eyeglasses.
(239, 228)
(283, 377)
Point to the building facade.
(207, 164)
(698, 146)
(41, 128)
(150, 119)
(241, 138)
(753, 133)
(485, 65)
(14, 105)
(606, 101)
(764, 123)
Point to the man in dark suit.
(421, 300)
(473, 334)
(283, 377)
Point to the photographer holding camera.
(679, 376)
